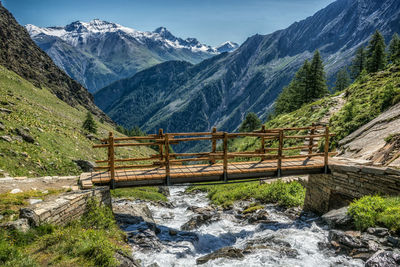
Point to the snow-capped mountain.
(227, 47)
(97, 53)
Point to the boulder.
(126, 260)
(16, 191)
(25, 135)
(378, 231)
(134, 213)
(199, 220)
(346, 240)
(145, 239)
(4, 110)
(20, 225)
(6, 138)
(164, 190)
(30, 216)
(226, 252)
(384, 259)
(92, 137)
(338, 219)
(86, 166)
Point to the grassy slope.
(56, 127)
(366, 98)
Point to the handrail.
(164, 158)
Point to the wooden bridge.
(281, 152)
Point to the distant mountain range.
(97, 53)
(219, 91)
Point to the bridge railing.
(272, 147)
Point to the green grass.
(252, 209)
(55, 126)
(372, 211)
(144, 193)
(368, 97)
(11, 203)
(284, 194)
(91, 241)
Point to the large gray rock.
(20, 225)
(384, 259)
(30, 216)
(85, 165)
(226, 252)
(25, 135)
(6, 138)
(338, 219)
(134, 213)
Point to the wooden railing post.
(263, 143)
(326, 149)
(280, 153)
(225, 174)
(213, 144)
(111, 158)
(167, 164)
(311, 141)
(160, 146)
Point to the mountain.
(227, 47)
(97, 53)
(42, 110)
(21, 55)
(221, 90)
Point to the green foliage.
(394, 49)
(308, 85)
(342, 80)
(250, 123)
(91, 241)
(376, 56)
(368, 97)
(371, 211)
(89, 124)
(144, 193)
(285, 194)
(134, 131)
(359, 62)
(56, 128)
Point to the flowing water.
(182, 248)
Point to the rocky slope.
(97, 53)
(220, 91)
(20, 54)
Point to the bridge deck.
(202, 173)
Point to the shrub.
(365, 211)
(391, 218)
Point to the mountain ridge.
(250, 78)
(97, 53)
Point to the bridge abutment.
(347, 182)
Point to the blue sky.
(210, 21)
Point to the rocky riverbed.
(189, 231)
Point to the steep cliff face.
(20, 54)
(221, 90)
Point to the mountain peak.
(164, 33)
(227, 46)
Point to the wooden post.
(167, 166)
(213, 145)
(311, 141)
(326, 150)
(263, 143)
(160, 146)
(111, 158)
(280, 153)
(225, 175)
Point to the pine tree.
(89, 124)
(376, 56)
(316, 81)
(250, 123)
(394, 49)
(359, 62)
(342, 80)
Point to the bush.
(371, 211)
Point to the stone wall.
(64, 208)
(345, 183)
